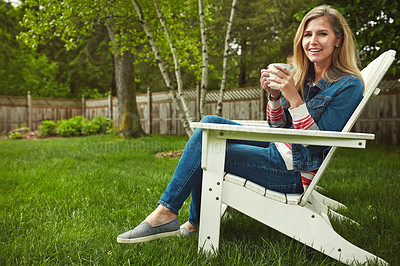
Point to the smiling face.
(319, 42)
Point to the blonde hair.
(345, 57)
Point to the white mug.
(289, 67)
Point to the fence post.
(110, 105)
(263, 104)
(149, 111)
(83, 106)
(29, 102)
(198, 93)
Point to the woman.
(321, 95)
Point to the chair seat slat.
(255, 187)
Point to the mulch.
(29, 135)
(169, 154)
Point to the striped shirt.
(301, 120)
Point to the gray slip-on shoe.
(146, 232)
(184, 232)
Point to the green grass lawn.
(64, 201)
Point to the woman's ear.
(339, 40)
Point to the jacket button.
(299, 167)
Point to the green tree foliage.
(376, 26)
(21, 69)
(87, 70)
(181, 18)
(73, 23)
(262, 32)
(49, 70)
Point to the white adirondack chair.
(283, 212)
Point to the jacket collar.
(323, 84)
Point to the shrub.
(89, 128)
(105, 125)
(23, 127)
(19, 132)
(71, 127)
(48, 128)
(80, 126)
(15, 135)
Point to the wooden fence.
(30, 111)
(380, 117)
(238, 104)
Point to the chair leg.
(306, 224)
(210, 217)
(225, 215)
(321, 207)
(330, 203)
(213, 158)
(342, 217)
(335, 246)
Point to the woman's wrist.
(296, 103)
(274, 99)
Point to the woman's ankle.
(160, 215)
(190, 226)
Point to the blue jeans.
(259, 162)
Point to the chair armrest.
(307, 137)
(262, 123)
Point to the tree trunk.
(178, 74)
(128, 118)
(204, 74)
(162, 68)
(113, 82)
(225, 60)
(242, 64)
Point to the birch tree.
(225, 60)
(162, 68)
(181, 96)
(204, 49)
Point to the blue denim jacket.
(330, 105)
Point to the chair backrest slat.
(372, 75)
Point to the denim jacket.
(330, 105)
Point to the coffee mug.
(289, 67)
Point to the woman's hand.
(264, 82)
(283, 81)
